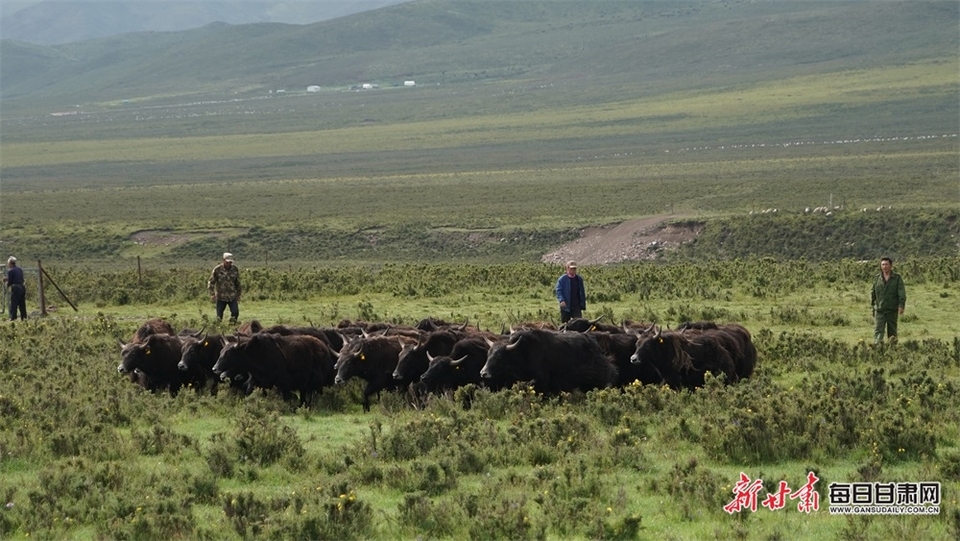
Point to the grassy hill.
(528, 121)
(653, 45)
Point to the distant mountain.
(645, 46)
(55, 22)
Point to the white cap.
(11, 259)
(227, 256)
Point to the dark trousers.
(18, 300)
(234, 309)
(565, 315)
(885, 321)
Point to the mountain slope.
(654, 44)
(52, 22)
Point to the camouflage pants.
(885, 321)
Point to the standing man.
(571, 293)
(887, 298)
(18, 292)
(224, 286)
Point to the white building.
(313, 88)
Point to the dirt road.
(632, 240)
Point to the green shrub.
(428, 518)
(498, 516)
(159, 440)
(246, 513)
(262, 439)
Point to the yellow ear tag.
(660, 339)
(206, 343)
(593, 327)
(148, 352)
(456, 368)
(363, 357)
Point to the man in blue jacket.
(18, 293)
(571, 293)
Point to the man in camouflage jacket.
(224, 286)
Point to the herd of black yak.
(436, 356)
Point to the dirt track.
(633, 240)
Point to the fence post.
(139, 272)
(42, 300)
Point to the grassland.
(397, 204)
(87, 454)
(534, 154)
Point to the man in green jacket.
(887, 298)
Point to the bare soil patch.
(633, 240)
(168, 238)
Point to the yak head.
(507, 360)
(653, 349)
(410, 358)
(579, 324)
(148, 356)
(350, 355)
(197, 348)
(133, 356)
(664, 354)
(443, 369)
(232, 363)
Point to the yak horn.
(513, 346)
(458, 362)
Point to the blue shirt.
(15, 276)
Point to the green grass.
(513, 465)
(759, 293)
(785, 101)
(505, 216)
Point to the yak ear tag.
(362, 356)
(206, 343)
(148, 351)
(660, 339)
